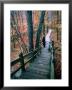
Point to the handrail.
(19, 59)
(30, 52)
(52, 61)
(31, 58)
(14, 62)
(15, 71)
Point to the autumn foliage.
(20, 39)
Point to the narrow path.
(40, 68)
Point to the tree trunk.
(57, 34)
(57, 23)
(15, 22)
(40, 28)
(30, 29)
(44, 29)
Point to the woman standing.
(48, 39)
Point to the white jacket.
(47, 38)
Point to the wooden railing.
(52, 76)
(22, 57)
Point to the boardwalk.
(40, 68)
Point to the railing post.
(22, 61)
(53, 49)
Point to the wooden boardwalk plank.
(40, 68)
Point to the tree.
(30, 29)
(40, 28)
(43, 29)
(57, 25)
(13, 40)
(14, 24)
